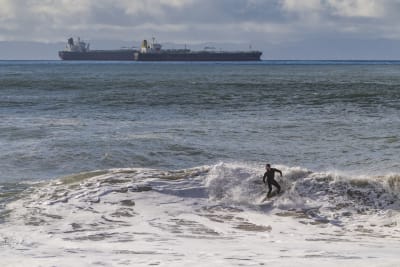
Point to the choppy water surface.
(161, 163)
(59, 118)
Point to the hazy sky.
(363, 27)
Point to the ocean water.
(138, 164)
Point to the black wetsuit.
(270, 175)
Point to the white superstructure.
(78, 46)
(150, 47)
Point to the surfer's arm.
(265, 175)
(280, 172)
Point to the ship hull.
(199, 56)
(133, 55)
(101, 55)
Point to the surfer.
(270, 175)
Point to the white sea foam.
(208, 215)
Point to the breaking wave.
(141, 211)
(319, 196)
(323, 197)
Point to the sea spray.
(234, 183)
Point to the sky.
(282, 29)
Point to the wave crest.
(319, 196)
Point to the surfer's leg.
(269, 187)
(275, 183)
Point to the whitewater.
(210, 215)
(161, 164)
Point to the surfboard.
(273, 194)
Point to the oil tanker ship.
(79, 50)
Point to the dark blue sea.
(110, 163)
(60, 118)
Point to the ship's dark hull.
(117, 55)
(133, 55)
(199, 56)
